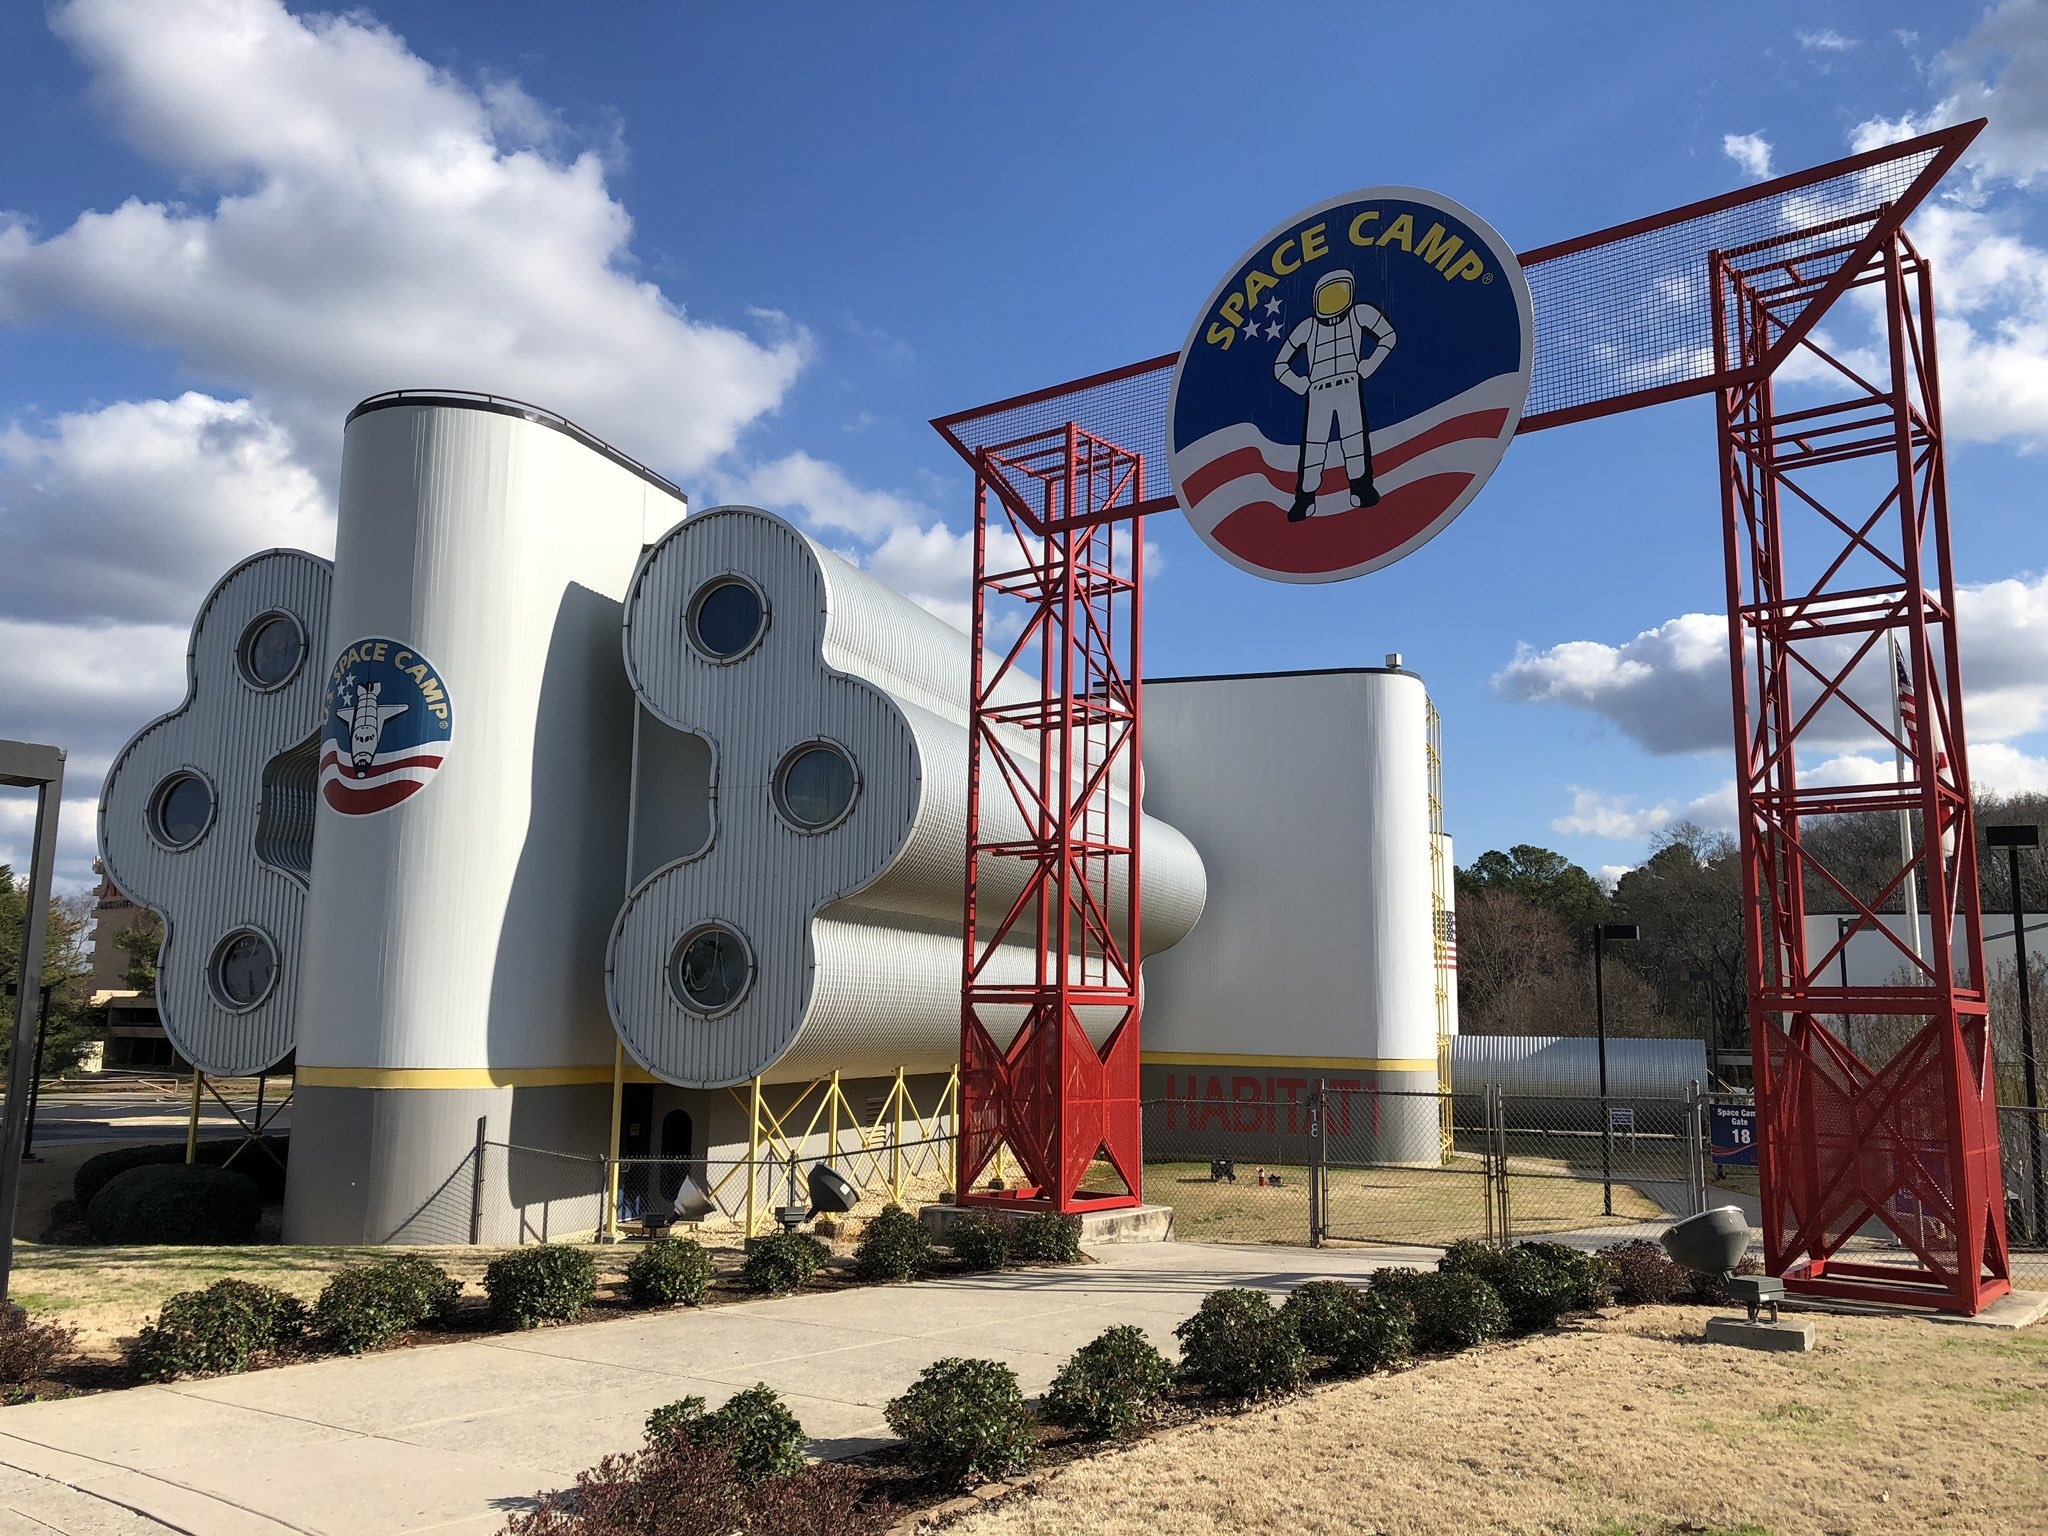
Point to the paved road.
(451, 1438)
(64, 1118)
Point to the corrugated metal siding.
(1544, 1066)
(231, 734)
(855, 930)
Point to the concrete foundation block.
(1131, 1224)
(1782, 1337)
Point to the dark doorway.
(678, 1136)
(636, 1144)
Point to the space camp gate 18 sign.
(1350, 386)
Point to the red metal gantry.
(1050, 1007)
(1836, 522)
(1709, 299)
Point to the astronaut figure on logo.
(1338, 365)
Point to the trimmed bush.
(978, 1242)
(1591, 1277)
(365, 1305)
(1535, 1292)
(754, 1427)
(547, 1283)
(894, 1246)
(1046, 1237)
(1456, 1311)
(689, 1486)
(1353, 1330)
(1109, 1385)
(1645, 1275)
(93, 1174)
(781, 1263)
(215, 1331)
(30, 1351)
(965, 1421)
(174, 1203)
(669, 1272)
(1239, 1346)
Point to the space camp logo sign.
(387, 727)
(1350, 386)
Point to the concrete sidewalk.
(451, 1438)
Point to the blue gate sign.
(1732, 1135)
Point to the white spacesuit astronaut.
(1338, 364)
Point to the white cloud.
(1596, 815)
(132, 511)
(77, 834)
(1668, 688)
(1999, 71)
(825, 497)
(368, 222)
(1750, 151)
(1826, 40)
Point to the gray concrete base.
(1779, 1337)
(2015, 1309)
(1132, 1224)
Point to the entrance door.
(678, 1136)
(636, 1144)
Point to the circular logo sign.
(388, 725)
(1350, 385)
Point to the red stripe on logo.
(1250, 461)
(333, 759)
(1261, 534)
(363, 802)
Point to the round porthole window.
(710, 969)
(272, 650)
(727, 618)
(181, 810)
(814, 786)
(243, 970)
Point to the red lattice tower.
(1055, 970)
(1839, 576)
(1825, 571)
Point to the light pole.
(1602, 932)
(1710, 1027)
(1843, 926)
(2012, 839)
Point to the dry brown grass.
(1626, 1425)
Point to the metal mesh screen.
(1623, 317)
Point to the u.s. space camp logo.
(1350, 386)
(388, 726)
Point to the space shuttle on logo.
(365, 719)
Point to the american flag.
(1909, 710)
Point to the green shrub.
(174, 1203)
(1455, 1310)
(369, 1304)
(1352, 1329)
(669, 1272)
(1238, 1345)
(92, 1175)
(780, 1263)
(1591, 1277)
(965, 1420)
(1109, 1385)
(762, 1436)
(978, 1242)
(1535, 1292)
(30, 1352)
(217, 1330)
(1046, 1237)
(547, 1283)
(894, 1246)
(1644, 1274)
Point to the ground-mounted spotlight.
(1712, 1243)
(692, 1203)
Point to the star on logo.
(1272, 331)
(1251, 331)
(1272, 306)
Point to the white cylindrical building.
(1316, 959)
(477, 734)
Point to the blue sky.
(760, 246)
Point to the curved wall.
(854, 931)
(456, 937)
(248, 869)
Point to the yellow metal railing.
(1440, 877)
